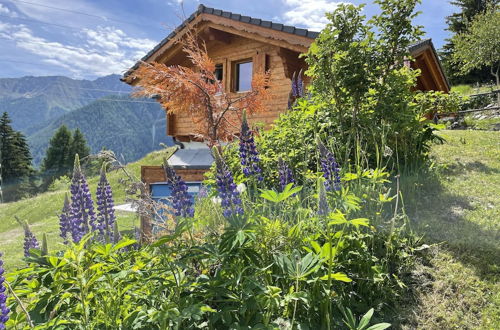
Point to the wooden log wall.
(281, 63)
(151, 174)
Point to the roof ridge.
(202, 9)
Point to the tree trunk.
(497, 78)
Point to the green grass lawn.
(471, 89)
(42, 212)
(458, 211)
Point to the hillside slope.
(31, 100)
(128, 127)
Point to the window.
(243, 76)
(219, 72)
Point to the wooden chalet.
(241, 46)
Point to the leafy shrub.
(61, 183)
(280, 263)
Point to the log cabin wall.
(280, 62)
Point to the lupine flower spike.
(82, 212)
(330, 168)
(4, 310)
(65, 220)
(295, 90)
(285, 174)
(323, 208)
(105, 206)
(182, 202)
(249, 156)
(30, 241)
(297, 85)
(229, 195)
(300, 85)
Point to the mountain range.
(102, 109)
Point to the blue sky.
(92, 38)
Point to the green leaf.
(365, 320)
(336, 276)
(379, 326)
(337, 218)
(360, 222)
(123, 243)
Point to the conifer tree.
(60, 155)
(56, 161)
(78, 146)
(15, 161)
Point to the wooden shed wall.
(151, 174)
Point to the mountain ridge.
(101, 108)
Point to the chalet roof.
(414, 48)
(202, 9)
(427, 43)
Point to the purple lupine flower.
(297, 85)
(83, 217)
(65, 220)
(4, 310)
(300, 85)
(203, 193)
(182, 202)
(30, 241)
(331, 169)
(323, 208)
(229, 195)
(105, 206)
(249, 156)
(295, 89)
(285, 174)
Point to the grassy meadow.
(457, 211)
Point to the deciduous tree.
(195, 91)
(457, 23)
(479, 45)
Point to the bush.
(61, 183)
(283, 262)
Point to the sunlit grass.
(458, 210)
(471, 89)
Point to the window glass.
(243, 77)
(219, 73)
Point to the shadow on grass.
(476, 166)
(440, 217)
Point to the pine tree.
(457, 23)
(56, 162)
(78, 146)
(15, 161)
(60, 154)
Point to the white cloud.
(44, 11)
(309, 14)
(95, 52)
(6, 11)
